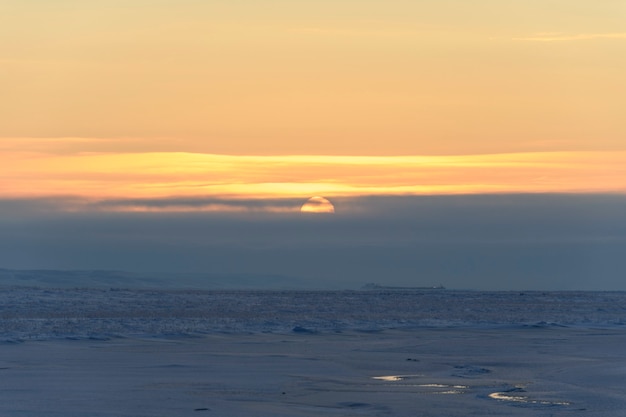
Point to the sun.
(317, 205)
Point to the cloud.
(561, 37)
(285, 205)
(156, 205)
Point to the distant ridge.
(51, 278)
(372, 286)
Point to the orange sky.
(259, 99)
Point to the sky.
(170, 135)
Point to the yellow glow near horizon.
(180, 174)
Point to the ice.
(38, 313)
(137, 352)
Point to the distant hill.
(48, 278)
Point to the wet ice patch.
(428, 388)
(394, 377)
(442, 386)
(444, 389)
(514, 396)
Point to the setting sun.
(317, 205)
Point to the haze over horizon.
(498, 242)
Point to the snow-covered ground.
(96, 352)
